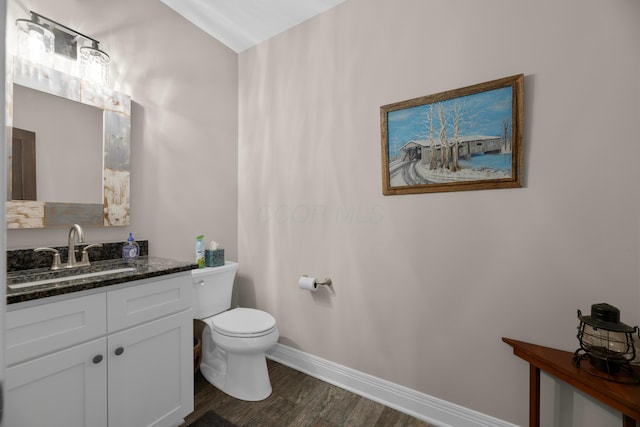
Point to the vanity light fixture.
(64, 41)
(607, 343)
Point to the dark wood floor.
(297, 400)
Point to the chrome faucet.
(74, 233)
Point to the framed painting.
(463, 139)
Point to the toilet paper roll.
(308, 283)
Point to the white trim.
(422, 406)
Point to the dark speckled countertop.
(146, 267)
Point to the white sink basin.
(71, 277)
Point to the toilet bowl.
(234, 341)
(233, 357)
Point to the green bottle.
(200, 251)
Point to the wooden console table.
(622, 397)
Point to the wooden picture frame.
(463, 139)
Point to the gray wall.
(426, 285)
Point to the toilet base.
(237, 366)
(243, 376)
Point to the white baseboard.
(422, 406)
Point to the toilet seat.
(243, 323)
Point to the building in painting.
(467, 146)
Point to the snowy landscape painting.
(463, 139)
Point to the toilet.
(234, 341)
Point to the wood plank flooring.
(297, 400)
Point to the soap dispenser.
(130, 250)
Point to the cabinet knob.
(119, 351)
(97, 359)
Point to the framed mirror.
(92, 203)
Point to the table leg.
(627, 421)
(534, 396)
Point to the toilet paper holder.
(324, 282)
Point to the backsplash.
(26, 259)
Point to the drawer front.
(42, 329)
(149, 301)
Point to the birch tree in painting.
(444, 144)
(433, 152)
(457, 112)
(506, 136)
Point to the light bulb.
(35, 42)
(94, 64)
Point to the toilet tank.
(212, 287)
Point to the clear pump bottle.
(131, 250)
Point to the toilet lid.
(243, 321)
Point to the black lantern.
(607, 343)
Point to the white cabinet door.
(151, 373)
(67, 388)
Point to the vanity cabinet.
(65, 388)
(115, 358)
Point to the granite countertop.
(146, 267)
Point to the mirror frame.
(114, 211)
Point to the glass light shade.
(35, 42)
(604, 342)
(94, 65)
